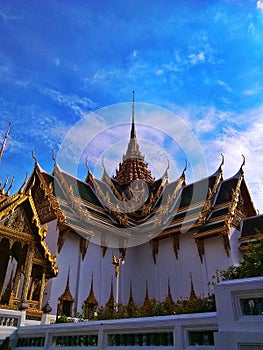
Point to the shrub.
(250, 266)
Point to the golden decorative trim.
(206, 208)
(235, 199)
(52, 199)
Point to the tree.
(250, 266)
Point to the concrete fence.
(237, 325)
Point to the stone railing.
(9, 321)
(163, 332)
(237, 324)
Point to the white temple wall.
(103, 273)
(188, 264)
(52, 236)
(215, 260)
(165, 269)
(67, 261)
(139, 269)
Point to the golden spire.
(67, 294)
(133, 132)
(91, 299)
(192, 292)
(133, 166)
(5, 140)
(110, 302)
(131, 300)
(146, 303)
(169, 294)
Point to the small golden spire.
(131, 300)
(192, 292)
(110, 302)
(133, 133)
(23, 184)
(5, 140)
(169, 294)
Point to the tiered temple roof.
(98, 208)
(133, 166)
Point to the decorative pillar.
(117, 262)
(17, 279)
(42, 287)
(28, 270)
(31, 290)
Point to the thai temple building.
(75, 244)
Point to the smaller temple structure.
(25, 259)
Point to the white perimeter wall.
(139, 269)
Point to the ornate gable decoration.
(17, 220)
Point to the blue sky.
(61, 61)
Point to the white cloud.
(197, 58)
(233, 144)
(260, 5)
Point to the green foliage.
(159, 308)
(63, 319)
(196, 305)
(251, 266)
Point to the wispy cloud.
(224, 85)
(79, 105)
(7, 17)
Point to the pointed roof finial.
(5, 139)
(34, 157)
(244, 161)
(54, 157)
(87, 164)
(223, 160)
(23, 184)
(184, 170)
(133, 133)
(10, 186)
